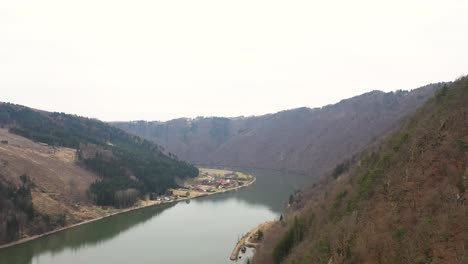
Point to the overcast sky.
(157, 60)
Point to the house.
(206, 182)
(230, 176)
(223, 182)
(198, 189)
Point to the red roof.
(223, 182)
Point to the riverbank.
(144, 204)
(251, 239)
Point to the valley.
(302, 140)
(47, 203)
(402, 200)
(73, 187)
(233, 132)
(58, 170)
(205, 229)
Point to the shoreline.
(245, 240)
(123, 211)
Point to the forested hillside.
(403, 200)
(302, 140)
(53, 164)
(124, 161)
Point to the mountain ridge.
(286, 140)
(402, 200)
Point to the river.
(203, 230)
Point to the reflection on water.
(82, 236)
(271, 189)
(203, 230)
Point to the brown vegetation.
(403, 201)
(52, 169)
(302, 140)
(58, 188)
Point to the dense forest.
(400, 201)
(125, 162)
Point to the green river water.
(203, 230)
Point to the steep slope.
(41, 187)
(300, 140)
(403, 201)
(54, 167)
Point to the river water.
(203, 230)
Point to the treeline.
(104, 191)
(16, 208)
(153, 174)
(18, 215)
(341, 168)
(291, 238)
(59, 129)
(133, 162)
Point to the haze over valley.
(301, 140)
(265, 132)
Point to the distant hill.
(53, 164)
(301, 140)
(403, 200)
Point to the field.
(211, 181)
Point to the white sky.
(157, 60)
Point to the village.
(209, 181)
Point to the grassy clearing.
(218, 173)
(222, 173)
(207, 183)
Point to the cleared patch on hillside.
(53, 170)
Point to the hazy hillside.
(41, 187)
(301, 140)
(403, 201)
(54, 167)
